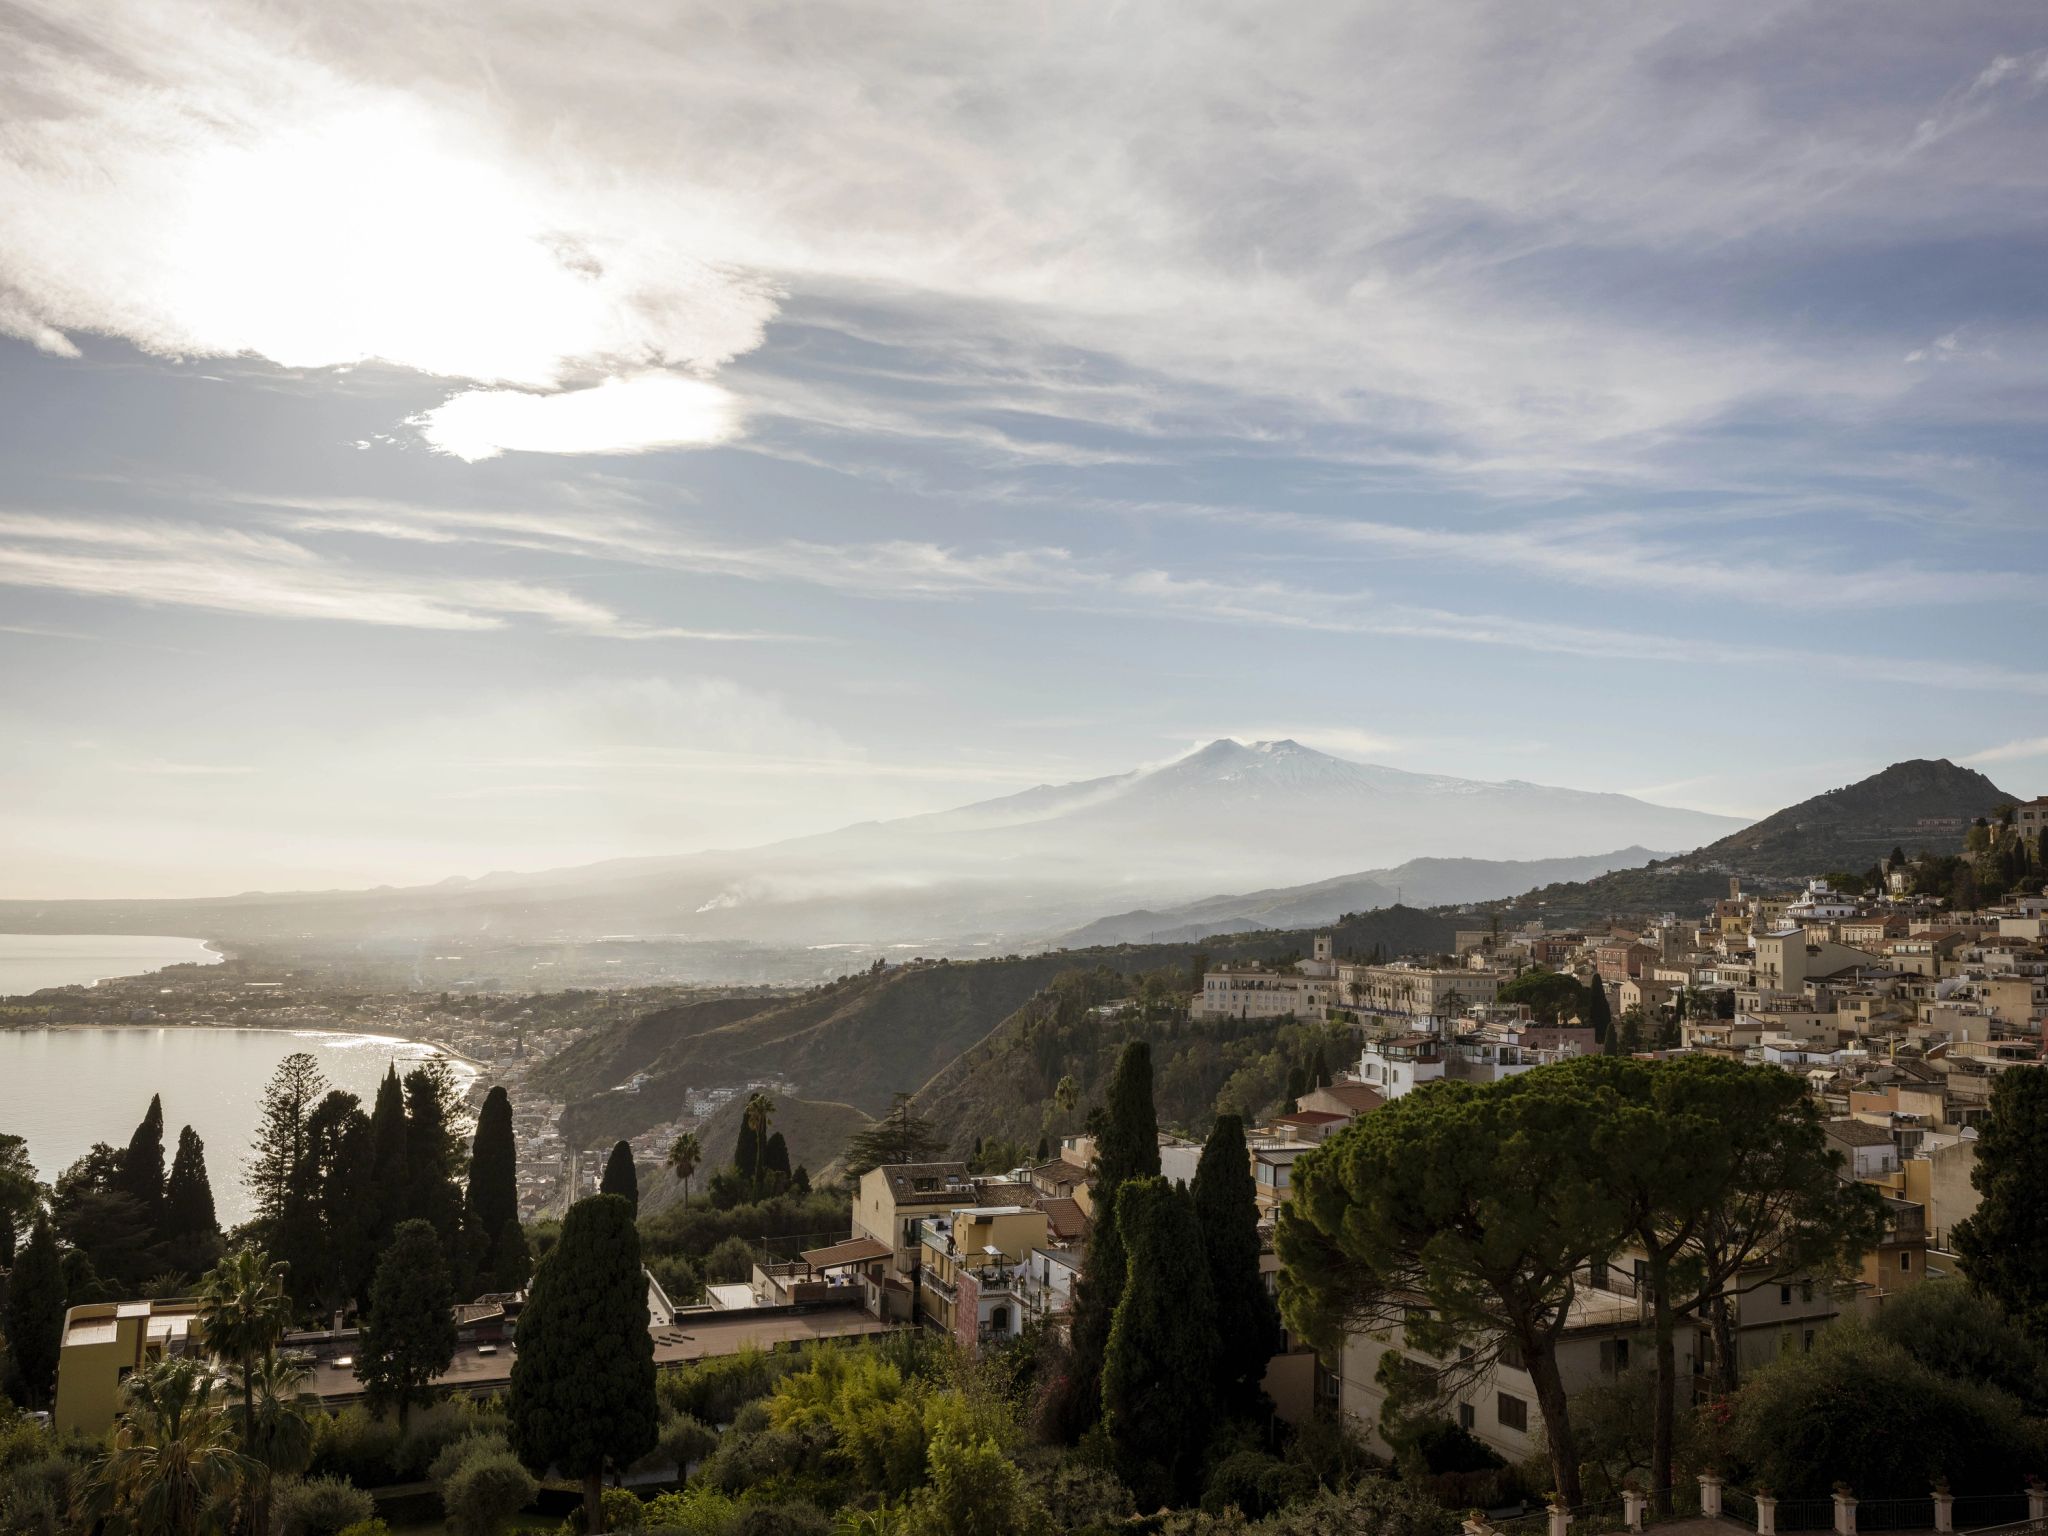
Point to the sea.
(64, 1088)
(31, 961)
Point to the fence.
(1897, 1514)
(1981, 1511)
(1806, 1515)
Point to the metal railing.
(1989, 1511)
(1807, 1515)
(1738, 1505)
(1895, 1514)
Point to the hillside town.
(1875, 1020)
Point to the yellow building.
(975, 1277)
(895, 1197)
(105, 1343)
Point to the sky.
(451, 437)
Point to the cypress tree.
(1158, 1380)
(582, 1398)
(409, 1338)
(1319, 1069)
(1598, 1014)
(1126, 1149)
(35, 1313)
(621, 1178)
(432, 1151)
(140, 1173)
(775, 1164)
(512, 1262)
(746, 1154)
(494, 1165)
(191, 1228)
(1247, 1323)
(387, 1148)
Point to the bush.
(782, 1519)
(715, 1390)
(686, 1439)
(1960, 1333)
(1859, 1409)
(370, 1527)
(698, 1511)
(1255, 1484)
(320, 1506)
(1374, 1504)
(488, 1487)
(357, 1446)
(731, 1261)
(456, 1452)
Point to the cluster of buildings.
(1899, 1014)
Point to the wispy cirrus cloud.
(231, 570)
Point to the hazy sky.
(442, 437)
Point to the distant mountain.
(1002, 873)
(1920, 806)
(1419, 882)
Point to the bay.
(65, 1088)
(31, 961)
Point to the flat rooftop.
(697, 1337)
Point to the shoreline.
(449, 1051)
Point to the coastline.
(436, 1046)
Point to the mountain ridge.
(1008, 872)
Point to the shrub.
(320, 1506)
(781, 1519)
(357, 1446)
(1255, 1484)
(686, 1439)
(1858, 1409)
(698, 1511)
(456, 1452)
(370, 1527)
(715, 1390)
(487, 1488)
(731, 1261)
(1375, 1504)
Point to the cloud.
(650, 410)
(1401, 221)
(2012, 751)
(236, 571)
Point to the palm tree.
(685, 1153)
(274, 1423)
(244, 1311)
(171, 1469)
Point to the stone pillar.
(1766, 1515)
(1710, 1495)
(1632, 1508)
(2037, 1501)
(1944, 1512)
(1560, 1520)
(1845, 1514)
(1475, 1525)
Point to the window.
(1512, 1412)
(1806, 1343)
(1806, 1290)
(1614, 1356)
(1905, 1261)
(1784, 1295)
(1466, 1417)
(1511, 1355)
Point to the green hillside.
(865, 1037)
(1922, 806)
